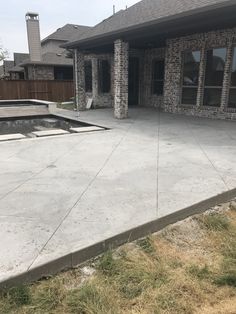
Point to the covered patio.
(175, 57)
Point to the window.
(104, 76)
(232, 91)
(158, 73)
(88, 76)
(191, 63)
(63, 73)
(215, 65)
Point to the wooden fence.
(57, 91)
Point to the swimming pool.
(31, 119)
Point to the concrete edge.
(76, 258)
(78, 119)
(51, 105)
(51, 137)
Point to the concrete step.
(86, 129)
(10, 137)
(50, 132)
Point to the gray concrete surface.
(61, 194)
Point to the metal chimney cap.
(32, 15)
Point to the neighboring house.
(176, 55)
(17, 72)
(53, 42)
(5, 67)
(46, 59)
(1, 71)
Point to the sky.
(53, 14)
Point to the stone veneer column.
(227, 77)
(201, 78)
(121, 63)
(95, 78)
(80, 80)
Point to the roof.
(51, 58)
(67, 32)
(8, 64)
(146, 12)
(20, 57)
(16, 68)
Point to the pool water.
(29, 124)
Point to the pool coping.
(27, 102)
(82, 255)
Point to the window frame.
(88, 89)
(101, 84)
(196, 87)
(212, 87)
(153, 80)
(233, 54)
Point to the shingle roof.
(67, 32)
(20, 57)
(16, 68)
(147, 11)
(51, 58)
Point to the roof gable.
(66, 33)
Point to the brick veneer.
(80, 91)
(173, 72)
(121, 63)
(100, 100)
(40, 72)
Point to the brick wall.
(173, 78)
(40, 72)
(100, 100)
(121, 64)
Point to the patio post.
(121, 64)
(95, 78)
(80, 80)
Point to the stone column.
(201, 77)
(95, 79)
(227, 77)
(121, 64)
(80, 80)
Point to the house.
(4, 69)
(16, 72)
(176, 55)
(46, 59)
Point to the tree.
(3, 54)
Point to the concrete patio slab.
(64, 194)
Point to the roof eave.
(47, 64)
(123, 32)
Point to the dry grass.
(187, 268)
(67, 106)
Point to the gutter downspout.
(76, 82)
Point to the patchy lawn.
(189, 267)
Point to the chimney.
(33, 31)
